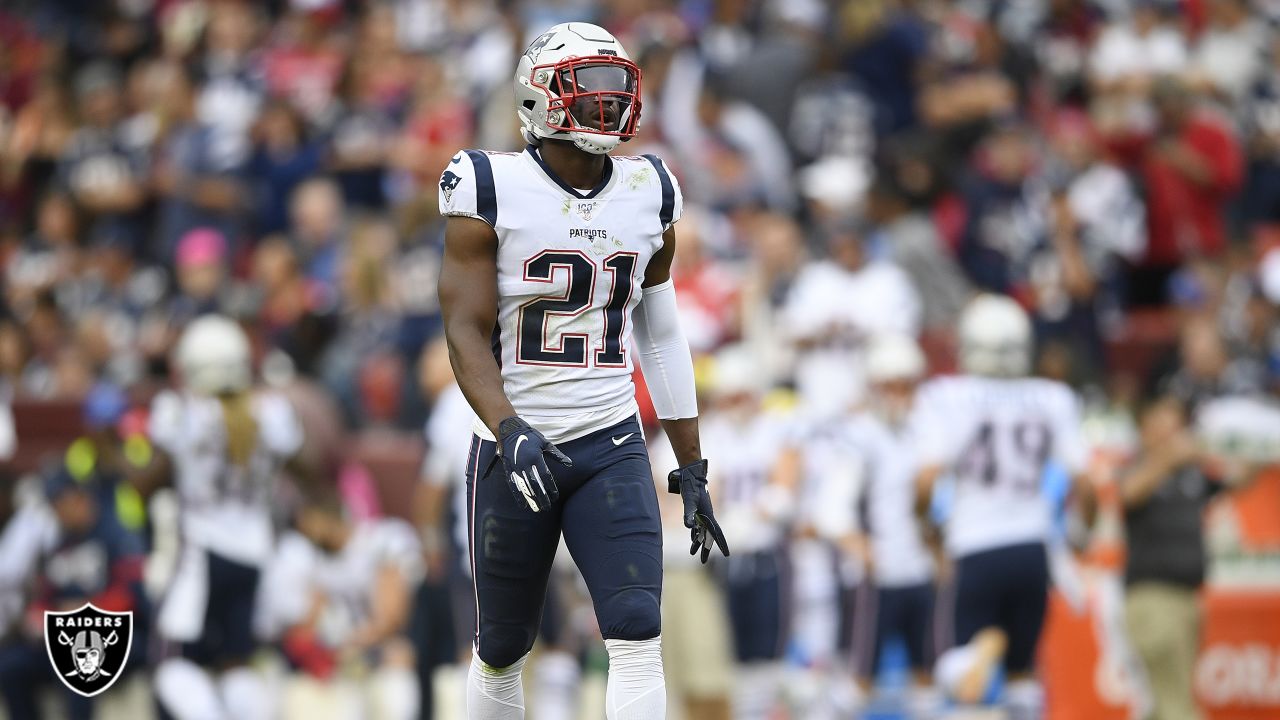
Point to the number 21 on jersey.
(570, 349)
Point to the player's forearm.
(683, 434)
(478, 376)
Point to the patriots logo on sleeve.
(448, 181)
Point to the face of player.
(893, 399)
(322, 528)
(605, 100)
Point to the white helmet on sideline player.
(894, 364)
(995, 337)
(576, 82)
(213, 355)
(892, 357)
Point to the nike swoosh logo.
(620, 440)
(515, 454)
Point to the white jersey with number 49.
(570, 266)
(995, 437)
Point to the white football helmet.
(735, 371)
(995, 337)
(214, 357)
(576, 82)
(893, 357)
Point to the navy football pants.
(608, 512)
(1008, 588)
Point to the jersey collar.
(551, 175)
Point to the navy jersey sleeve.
(467, 187)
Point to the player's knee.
(501, 646)
(631, 614)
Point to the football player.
(995, 431)
(555, 257)
(746, 440)
(220, 443)
(898, 560)
(339, 592)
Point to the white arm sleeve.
(664, 353)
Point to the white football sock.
(186, 691)
(495, 693)
(396, 694)
(756, 691)
(1025, 700)
(923, 703)
(556, 676)
(244, 694)
(636, 690)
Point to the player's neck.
(577, 168)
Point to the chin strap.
(589, 142)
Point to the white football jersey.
(570, 266)
(30, 532)
(224, 508)
(995, 437)
(346, 578)
(448, 435)
(889, 460)
(741, 455)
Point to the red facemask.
(597, 94)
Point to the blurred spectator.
(1097, 223)
(733, 155)
(1191, 167)
(283, 157)
(317, 231)
(230, 95)
(303, 63)
(833, 306)
(1261, 201)
(1131, 53)
(200, 264)
(30, 149)
(105, 174)
(1204, 368)
(887, 47)
(1229, 54)
(48, 257)
(708, 290)
(197, 184)
(1005, 222)
(911, 240)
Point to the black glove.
(522, 449)
(690, 482)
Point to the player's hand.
(522, 449)
(690, 482)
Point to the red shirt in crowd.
(1187, 215)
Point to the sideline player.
(746, 438)
(220, 443)
(900, 567)
(995, 431)
(554, 257)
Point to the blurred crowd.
(850, 167)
